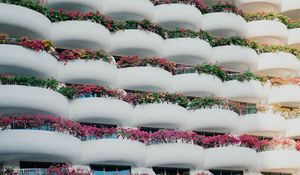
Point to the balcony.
(19, 21)
(127, 9)
(188, 51)
(212, 120)
(254, 6)
(235, 58)
(159, 116)
(291, 9)
(76, 5)
(247, 91)
(279, 160)
(292, 128)
(175, 155)
(35, 145)
(224, 24)
(88, 72)
(230, 158)
(279, 64)
(268, 32)
(100, 110)
(17, 60)
(15, 100)
(174, 16)
(136, 42)
(113, 151)
(262, 124)
(88, 35)
(193, 84)
(294, 38)
(288, 95)
(150, 79)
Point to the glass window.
(110, 170)
(171, 171)
(30, 165)
(271, 173)
(226, 172)
(149, 130)
(208, 134)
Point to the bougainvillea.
(84, 54)
(134, 61)
(37, 45)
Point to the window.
(32, 165)
(270, 173)
(208, 134)
(170, 171)
(226, 172)
(99, 125)
(110, 170)
(150, 130)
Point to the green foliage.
(68, 92)
(212, 70)
(29, 81)
(205, 102)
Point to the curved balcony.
(230, 158)
(224, 24)
(288, 95)
(174, 16)
(247, 91)
(189, 51)
(292, 128)
(100, 110)
(291, 9)
(88, 72)
(262, 124)
(294, 38)
(279, 160)
(235, 58)
(150, 79)
(254, 6)
(212, 120)
(16, 100)
(175, 155)
(19, 21)
(88, 35)
(127, 9)
(159, 116)
(270, 32)
(279, 64)
(113, 151)
(35, 145)
(18, 60)
(136, 42)
(76, 5)
(197, 85)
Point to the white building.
(30, 150)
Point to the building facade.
(160, 87)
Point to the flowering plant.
(279, 144)
(66, 170)
(85, 54)
(37, 45)
(229, 140)
(134, 61)
(286, 112)
(138, 98)
(172, 136)
(221, 6)
(271, 16)
(78, 90)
